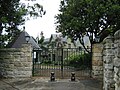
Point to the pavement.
(46, 84)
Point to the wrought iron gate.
(61, 61)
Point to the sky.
(46, 23)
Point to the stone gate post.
(117, 60)
(16, 62)
(108, 56)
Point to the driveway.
(45, 84)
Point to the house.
(52, 48)
(21, 39)
(56, 43)
(66, 42)
(57, 40)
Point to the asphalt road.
(45, 84)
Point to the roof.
(22, 39)
(55, 36)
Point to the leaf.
(4, 19)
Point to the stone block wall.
(106, 61)
(108, 56)
(16, 62)
(97, 61)
(116, 60)
(111, 65)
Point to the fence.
(62, 61)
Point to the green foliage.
(80, 61)
(12, 15)
(47, 62)
(41, 40)
(90, 17)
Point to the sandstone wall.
(108, 56)
(116, 60)
(97, 61)
(111, 65)
(106, 61)
(15, 63)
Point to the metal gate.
(61, 61)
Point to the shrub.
(47, 62)
(80, 61)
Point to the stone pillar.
(16, 62)
(23, 64)
(108, 56)
(7, 62)
(117, 61)
(97, 62)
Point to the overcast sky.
(46, 23)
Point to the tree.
(12, 15)
(41, 41)
(88, 17)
